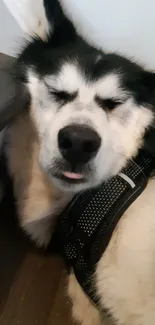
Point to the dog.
(89, 115)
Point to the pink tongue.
(73, 175)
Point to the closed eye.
(108, 103)
(63, 96)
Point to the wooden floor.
(32, 283)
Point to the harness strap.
(87, 224)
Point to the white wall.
(127, 26)
(10, 33)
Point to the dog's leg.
(37, 199)
(83, 311)
(40, 231)
(38, 204)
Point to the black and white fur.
(73, 83)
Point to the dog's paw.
(39, 231)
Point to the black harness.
(87, 224)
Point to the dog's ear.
(62, 29)
(148, 80)
(149, 141)
(144, 83)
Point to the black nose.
(78, 143)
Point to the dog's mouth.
(70, 177)
(73, 176)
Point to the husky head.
(91, 109)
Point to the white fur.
(125, 275)
(83, 310)
(121, 131)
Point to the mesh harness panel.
(87, 224)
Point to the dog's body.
(125, 274)
(88, 117)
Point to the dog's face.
(91, 111)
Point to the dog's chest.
(88, 224)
